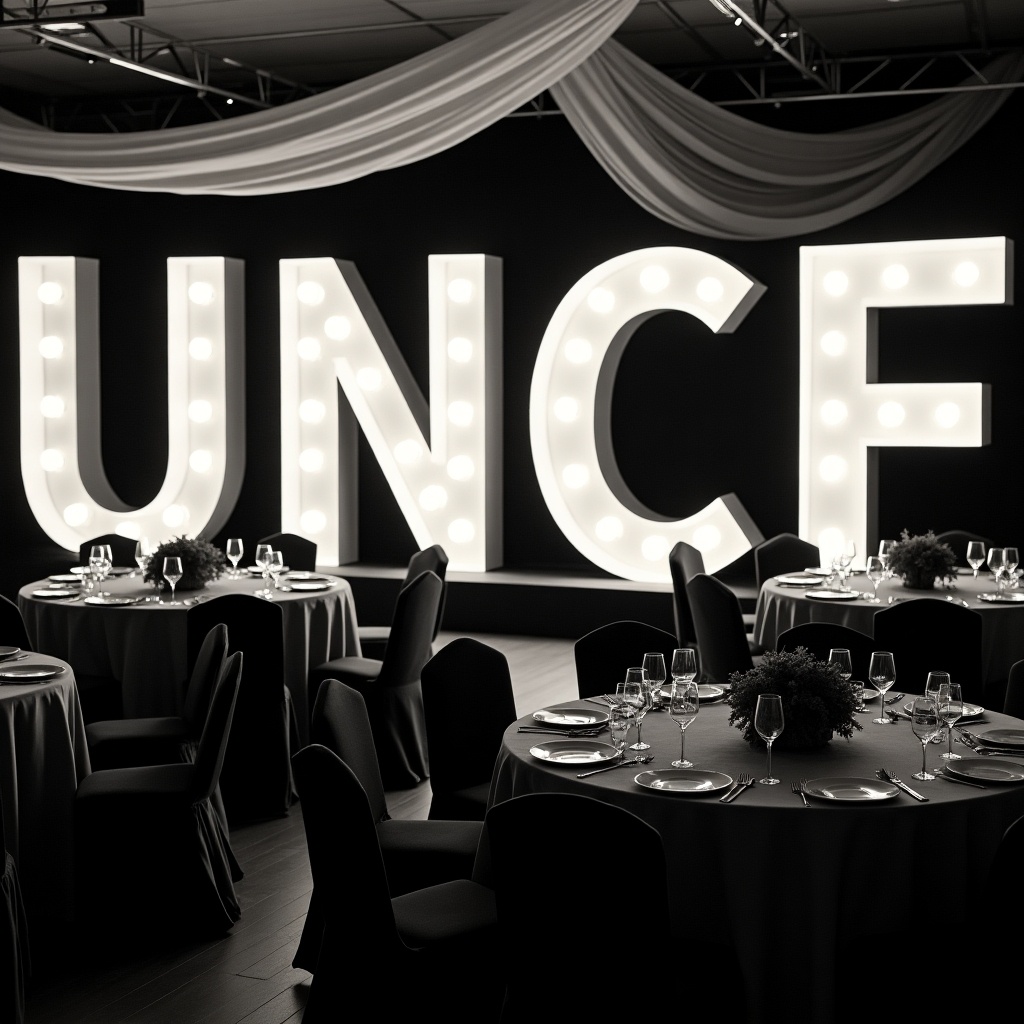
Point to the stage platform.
(525, 603)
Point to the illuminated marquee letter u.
(570, 400)
(61, 458)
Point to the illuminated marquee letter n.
(845, 414)
(448, 487)
(570, 410)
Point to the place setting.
(28, 673)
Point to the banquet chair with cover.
(438, 944)
(1013, 702)
(958, 541)
(122, 548)
(256, 782)
(684, 562)
(13, 631)
(603, 655)
(298, 552)
(723, 641)
(930, 635)
(465, 682)
(373, 640)
(998, 956)
(785, 552)
(820, 637)
(391, 685)
(416, 852)
(148, 841)
(15, 953)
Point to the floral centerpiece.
(921, 559)
(201, 562)
(817, 702)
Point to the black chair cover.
(958, 541)
(466, 681)
(603, 655)
(13, 632)
(820, 637)
(15, 954)
(298, 552)
(1013, 702)
(785, 552)
(724, 648)
(122, 548)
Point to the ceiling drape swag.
(706, 170)
(690, 163)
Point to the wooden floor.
(244, 977)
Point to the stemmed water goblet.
(100, 564)
(882, 675)
(172, 573)
(619, 721)
(683, 706)
(637, 695)
(234, 551)
(976, 555)
(875, 573)
(263, 552)
(846, 557)
(950, 707)
(143, 553)
(840, 656)
(931, 689)
(884, 551)
(997, 563)
(769, 722)
(654, 670)
(1010, 560)
(275, 566)
(926, 724)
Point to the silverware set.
(940, 774)
(798, 788)
(745, 781)
(561, 732)
(888, 776)
(970, 740)
(647, 759)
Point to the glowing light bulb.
(891, 414)
(311, 411)
(460, 290)
(601, 300)
(313, 521)
(338, 328)
(460, 413)
(654, 279)
(433, 497)
(833, 343)
(461, 531)
(609, 528)
(175, 516)
(311, 460)
(308, 348)
(947, 415)
(832, 468)
(566, 409)
(408, 451)
(575, 476)
(461, 467)
(835, 283)
(831, 539)
(654, 548)
(200, 460)
(460, 350)
(51, 347)
(52, 460)
(201, 293)
(710, 289)
(707, 538)
(130, 530)
(833, 412)
(200, 411)
(578, 351)
(895, 276)
(50, 293)
(52, 406)
(310, 293)
(200, 348)
(76, 514)
(965, 274)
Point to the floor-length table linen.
(43, 757)
(145, 646)
(780, 607)
(786, 884)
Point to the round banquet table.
(43, 757)
(786, 884)
(145, 647)
(780, 607)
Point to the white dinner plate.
(833, 595)
(56, 593)
(818, 570)
(970, 710)
(868, 693)
(29, 673)
(308, 577)
(708, 694)
(799, 579)
(79, 570)
(574, 751)
(1009, 597)
(307, 585)
(850, 789)
(112, 602)
(65, 577)
(987, 769)
(571, 718)
(119, 571)
(1001, 738)
(683, 780)
(257, 571)
(9, 652)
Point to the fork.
(895, 698)
(897, 781)
(798, 788)
(738, 786)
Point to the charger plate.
(850, 789)
(970, 710)
(799, 579)
(580, 751)
(1001, 738)
(1015, 597)
(690, 781)
(570, 718)
(9, 652)
(307, 584)
(833, 595)
(112, 602)
(986, 769)
(29, 673)
(56, 593)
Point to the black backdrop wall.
(694, 415)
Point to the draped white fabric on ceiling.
(694, 165)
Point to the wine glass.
(926, 723)
(275, 566)
(769, 723)
(976, 555)
(619, 721)
(143, 553)
(638, 696)
(172, 573)
(950, 706)
(882, 675)
(841, 656)
(262, 560)
(884, 551)
(99, 564)
(846, 557)
(683, 705)
(1010, 561)
(875, 573)
(997, 562)
(654, 670)
(931, 689)
(234, 551)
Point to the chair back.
(466, 681)
(1013, 702)
(785, 552)
(433, 559)
(820, 637)
(603, 655)
(297, 552)
(540, 837)
(340, 722)
(412, 630)
(677, 558)
(930, 635)
(13, 631)
(207, 670)
(958, 541)
(213, 744)
(721, 636)
(122, 548)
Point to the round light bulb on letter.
(833, 343)
(966, 274)
(460, 290)
(461, 467)
(200, 411)
(578, 350)
(408, 452)
(461, 531)
(460, 413)
(200, 460)
(460, 350)
(52, 460)
(707, 538)
(833, 412)
(575, 476)
(308, 348)
(175, 516)
(52, 406)
(433, 497)
(310, 293)
(312, 521)
(609, 528)
(200, 348)
(201, 292)
(710, 289)
(311, 411)
(947, 415)
(311, 460)
(566, 409)
(654, 279)
(654, 548)
(51, 347)
(50, 293)
(835, 282)
(338, 328)
(891, 414)
(895, 276)
(601, 300)
(76, 514)
(832, 468)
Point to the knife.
(904, 787)
(609, 767)
(733, 793)
(962, 782)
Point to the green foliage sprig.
(816, 701)
(923, 555)
(201, 562)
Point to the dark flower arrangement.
(922, 558)
(201, 562)
(816, 701)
